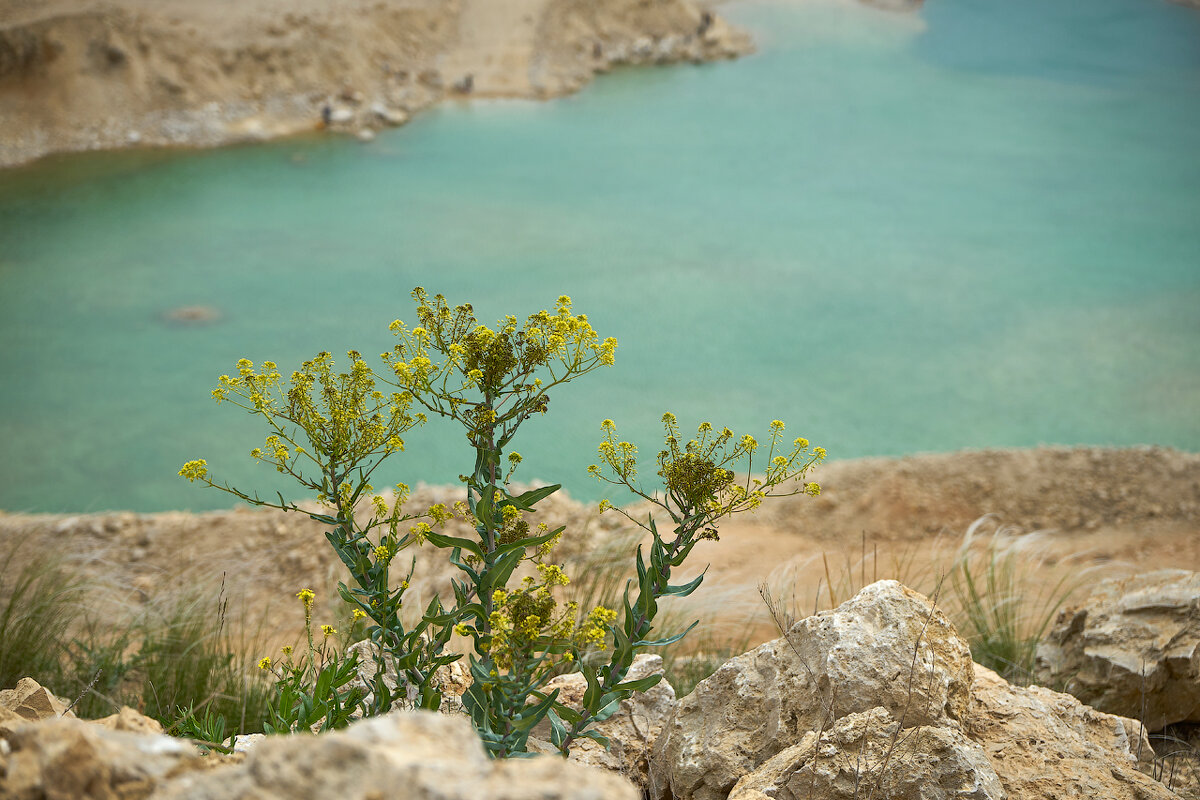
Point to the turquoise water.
(982, 233)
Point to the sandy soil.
(94, 74)
(1079, 513)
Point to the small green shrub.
(172, 657)
(310, 689)
(40, 603)
(331, 431)
(187, 660)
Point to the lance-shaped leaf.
(684, 589)
(668, 640)
(457, 542)
(527, 500)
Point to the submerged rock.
(193, 315)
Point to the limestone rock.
(886, 647)
(31, 701)
(453, 679)
(69, 759)
(415, 754)
(870, 754)
(1133, 640)
(1046, 745)
(129, 720)
(631, 731)
(9, 722)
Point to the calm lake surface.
(977, 227)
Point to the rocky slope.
(878, 698)
(92, 74)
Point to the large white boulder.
(871, 755)
(888, 647)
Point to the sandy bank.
(97, 74)
(1105, 510)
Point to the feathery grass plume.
(1002, 603)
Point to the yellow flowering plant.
(700, 486)
(491, 380)
(331, 431)
(311, 690)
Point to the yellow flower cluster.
(195, 470)
(595, 629)
(699, 475)
(526, 620)
(500, 362)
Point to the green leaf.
(442, 540)
(668, 640)
(527, 500)
(639, 685)
(532, 715)
(498, 575)
(684, 589)
(567, 714)
(558, 731)
(484, 507)
(593, 687)
(324, 681)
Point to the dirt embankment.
(1106, 510)
(94, 74)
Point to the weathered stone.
(452, 679)
(886, 647)
(69, 759)
(415, 754)
(129, 720)
(871, 755)
(1131, 648)
(9, 722)
(32, 701)
(1046, 745)
(631, 731)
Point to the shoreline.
(1084, 509)
(82, 75)
(1123, 468)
